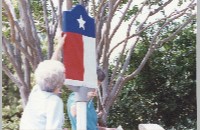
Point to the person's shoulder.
(54, 98)
(54, 102)
(71, 98)
(72, 95)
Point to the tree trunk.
(24, 94)
(103, 120)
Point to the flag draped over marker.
(79, 48)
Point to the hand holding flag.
(61, 40)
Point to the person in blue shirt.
(91, 113)
(92, 118)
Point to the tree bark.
(24, 94)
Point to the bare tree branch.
(54, 16)
(11, 76)
(101, 8)
(128, 30)
(118, 87)
(117, 67)
(99, 23)
(22, 34)
(106, 34)
(10, 18)
(60, 3)
(164, 25)
(160, 7)
(29, 27)
(49, 36)
(178, 30)
(8, 51)
(141, 28)
(120, 22)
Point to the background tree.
(29, 28)
(165, 90)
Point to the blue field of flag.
(78, 21)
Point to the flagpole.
(81, 108)
(81, 115)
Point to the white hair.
(49, 75)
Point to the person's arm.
(73, 110)
(91, 94)
(57, 53)
(54, 114)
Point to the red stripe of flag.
(73, 48)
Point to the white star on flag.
(81, 22)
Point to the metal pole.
(81, 115)
(81, 108)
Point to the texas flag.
(79, 48)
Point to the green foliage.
(11, 102)
(131, 12)
(165, 91)
(12, 108)
(38, 15)
(11, 117)
(75, 2)
(181, 2)
(65, 94)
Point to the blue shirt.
(91, 114)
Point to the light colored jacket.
(44, 111)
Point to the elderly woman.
(44, 110)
